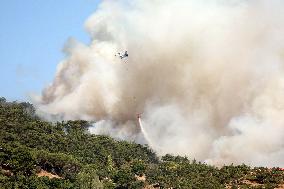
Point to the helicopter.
(122, 55)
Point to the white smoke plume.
(208, 76)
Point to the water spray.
(143, 131)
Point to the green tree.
(87, 178)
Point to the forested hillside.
(39, 154)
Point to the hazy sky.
(32, 35)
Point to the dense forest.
(38, 154)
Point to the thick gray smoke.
(208, 76)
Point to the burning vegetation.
(39, 154)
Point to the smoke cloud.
(208, 76)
